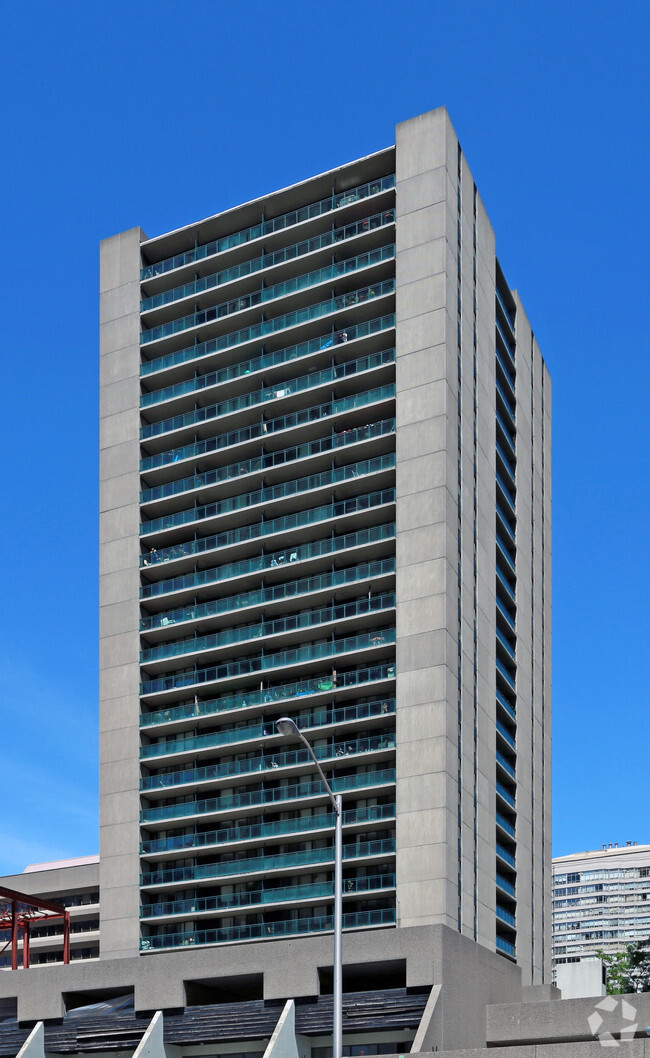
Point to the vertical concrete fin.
(427, 1038)
(34, 1045)
(283, 1041)
(152, 1044)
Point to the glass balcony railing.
(274, 593)
(507, 585)
(507, 616)
(259, 831)
(507, 525)
(506, 705)
(505, 855)
(282, 490)
(510, 316)
(260, 897)
(385, 916)
(507, 341)
(508, 494)
(269, 260)
(508, 676)
(504, 884)
(259, 563)
(268, 227)
(507, 374)
(508, 434)
(508, 466)
(505, 916)
(268, 360)
(507, 645)
(505, 824)
(330, 272)
(262, 864)
(505, 552)
(268, 460)
(277, 693)
(503, 730)
(272, 326)
(261, 797)
(505, 794)
(506, 946)
(261, 761)
(505, 763)
(264, 629)
(263, 662)
(309, 721)
(249, 400)
(508, 404)
(298, 519)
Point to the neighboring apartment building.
(601, 900)
(326, 492)
(74, 884)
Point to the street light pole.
(287, 727)
(337, 1042)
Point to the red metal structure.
(17, 913)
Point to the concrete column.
(119, 559)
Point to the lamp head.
(286, 726)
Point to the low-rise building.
(601, 901)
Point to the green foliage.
(628, 970)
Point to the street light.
(289, 729)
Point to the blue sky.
(158, 114)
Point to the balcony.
(272, 326)
(506, 585)
(306, 281)
(257, 865)
(259, 898)
(253, 833)
(507, 766)
(305, 654)
(506, 856)
(242, 803)
(506, 734)
(508, 495)
(301, 487)
(280, 357)
(505, 795)
(250, 699)
(264, 761)
(270, 931)
(505, 885)
(300, 620)
(506, 947)
(507, 407)
(287, 459)
(505, 825)
(322, 718)
(505, 704)
(505, 916)
(261, 562)
(282, 256)
(283, 524)
(291, 589)
(260, 428)
(268, 227)
(506, 646)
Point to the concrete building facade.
(325, 493)
(601, 901)
(74, 884)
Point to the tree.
(628, 970)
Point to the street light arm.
(289, 729)
(320, 771)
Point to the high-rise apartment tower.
(326, 492)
